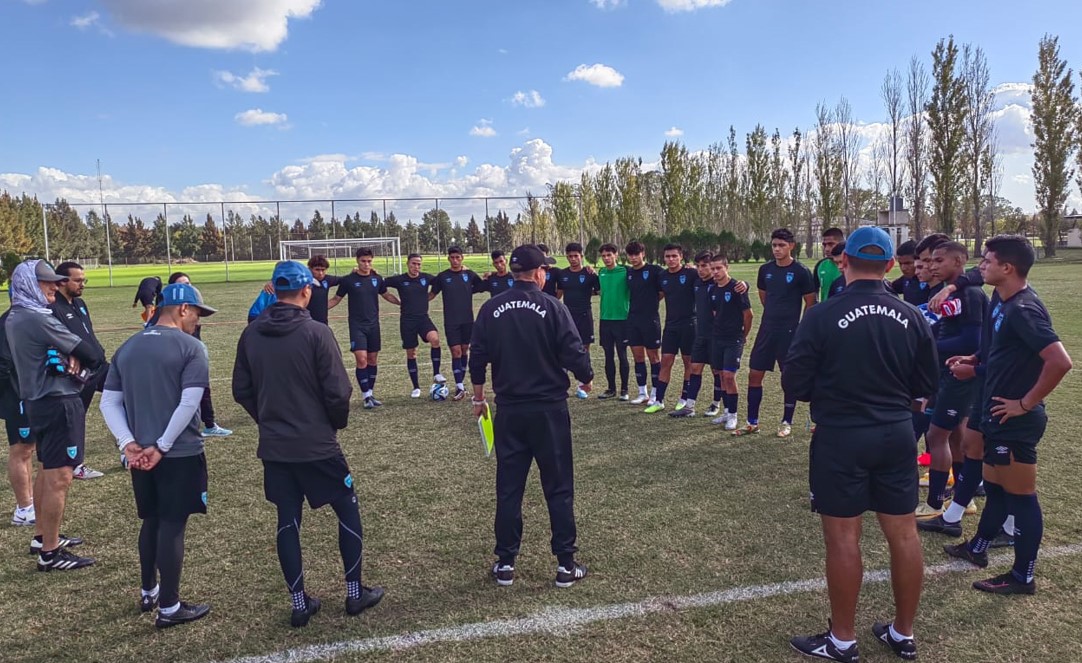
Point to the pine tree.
(947, 112)
(1055, 137)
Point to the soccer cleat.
(370, 597)
(566, 577)
(905, 648)
(214, 431)
(438, 378)
(681, 404)
(682, 413)
(504, 574)
(608, 393)
(624, 397)
(924, 460)
(300, 618)
(731, 423)
(654, 407)
(1006, 584)
(187, 612)
(785, 430)
(375, 403)
(821, 646)
(713, 410)
(148, 603)
(723, 418)
(750, 429)
(368, 404)
(24, 517)
(940, 526)
(642, 398)
(1002, 540)
(65, 542)
(581, 395)
(925, 511)
(980, 491)
(416, 393)
(84, 472)
(961, 551)
(62, 560)
(460, 393)
(924, 480)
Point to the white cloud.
(483, 129)
(523, 132)
(255, 81)
(674, 132)
(461, 161)
(608, 4)
(690, 5)
(257, 116)
(85, 21)
(600, 75)
(251, 25)
(531, 99)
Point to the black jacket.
(289, 377)
(531, 342)
(861, 358)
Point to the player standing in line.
(839, 283)
(457, 284)
(317, 307)
(704, 322)
(148, 294)
(643, 319)
(364, 287)
(576, 286)
(784, 283)
(551, 274)
(501, 279)
(612, 279)
(414, 322)
(827, 271)
(728, 335)
(907, 286)
(1026, 362)
(677, 282)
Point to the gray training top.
(31, 334)
(152, 369)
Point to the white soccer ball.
(438, 391)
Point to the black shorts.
(414, 328)
(678, 337)
(1004, 452)
(364, 338)
(17, 426)
(771, 347)
(584, 323)
(173, 490)
(853, 470)
(644, 333)
(613, 333)
(320, 481)
(459, 334)
(952, 401)
(60, 424)
(726, 355)
(700, 350)
(973, 423)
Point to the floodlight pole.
(168, 250)
(488, 237)
(45, 229)
(225, 244)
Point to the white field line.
(560, 621)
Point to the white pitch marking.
(560, 621)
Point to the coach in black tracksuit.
(531, 341)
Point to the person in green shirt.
(826, 270)
(614, 306)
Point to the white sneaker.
(24, 517)
(216, 431)
(416, 393)
(84, 472)
(643, 398)
(731, 421)
(438, 378)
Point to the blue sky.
(418, 97)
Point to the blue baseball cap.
(867, 237)
(291, 275)
(176, 294)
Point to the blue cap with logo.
(868, 237)
(176, 294)
(291, 275)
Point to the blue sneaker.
(216, 431)
(579, 393)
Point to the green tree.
(946, 126)
(186, 237)
(1055, 138)
(916, 143)
(565, 211)
(757, 180)
(210, 239)
(501, 232)
(978, 135)
(605, 195)
(826, 168)
(317, 227)
(475, 239)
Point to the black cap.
(527, 257)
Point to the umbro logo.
(952, 413)
(1003, 451)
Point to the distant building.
(895, 220)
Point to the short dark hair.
(836, 233)
(634, 248)
(673, 247)
(497, 254)
(364, 252)
(608, 248)
(704, 256)
(316, 262)
(866, 266)
(544, 248)
(955, 248)
(176, 276)
(573, 247)
(719, 257)
(838, 249)
(930, 242)
(64, 268)
(1014, 250)
(412, 256)
(906, 248)
(784, 234)
(451, 250)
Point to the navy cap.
(867, 237)
(290, 275)
(527, 257)
(176, 294)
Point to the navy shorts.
(975, 407)
(414, 328)
(17, 426)
(644, 333)
(584, 323)
(853, 470)
(700, 350)
(60, 424)
(459, 334)
(678, 337)
(771, 347)
(319, 481)
(1003, 449)
(726, 355)
(364, 338)
(173, 489)
(952, 401)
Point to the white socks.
(954, 513)
(1008, 525)
(153, 592)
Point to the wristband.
(474, 401)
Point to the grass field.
(665, 509)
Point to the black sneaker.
(1002, 540)
(187, 612)
(300, 617)
(961, 551)
(821, 646)
(504, 574)
(375, 403)
(568, 577)
(609, 393)
(370, 597)
(1006, 584)
(148, 603)
(62, 560)
(940, 526)
(682, 412)
(905, 648)
(65, 542)
(980, 491)
(369, 402)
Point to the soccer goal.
(387, 252)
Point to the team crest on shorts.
(73, 452)
(788, 277)
(24, 433)
(204, 498)
(348, 481)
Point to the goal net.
(340, 253)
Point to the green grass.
(664, 508)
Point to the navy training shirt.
(412, 292)
(317, 306)
(457, 289)
(497, 283)
(838, 284)
(785, 289)
(362, 294)
(729, 307)
(704, 307)
(952, 328)
(643, 284)
(679, 289)
(552, 274)
(578, 287)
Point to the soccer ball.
(438, 391)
